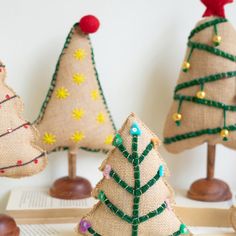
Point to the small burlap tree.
(19, 155)
(135, 198)
(74, 114)
(204, 107)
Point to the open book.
(38, 214)
(35, 205)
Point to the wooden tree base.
(210, 190)
(68, 188)
(8, 226)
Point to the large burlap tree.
(135, 198)
(204, 107)
(74, 114)
(19, 156)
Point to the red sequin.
(36, 161)
(7, 96)
(19, 162)
(2, 171)
(26, 126)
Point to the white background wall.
(138, 51)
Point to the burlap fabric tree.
(204, 107)
(74, 114)
(135, 198)
(19, 155)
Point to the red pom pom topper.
(215, 7)
(89, 24)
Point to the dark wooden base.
(68, 188)
(8, 226)
(210, 190)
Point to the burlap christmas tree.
(135, 198)
(19, 156)
(74, 113)
(204, 107)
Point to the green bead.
(117, 141)
(137, 192)
(225, 139)
(183, 229)
(101, 196)
(135, 160)
(135, 221)
(178, 123)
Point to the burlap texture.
(58, 119)
(195, 116)
(17, 145)
(108, 224)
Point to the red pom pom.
(215, 7)
(89, 24)
(19, 162)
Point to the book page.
(211, 230)
(69, 230)
(48, 230)
(39, 198)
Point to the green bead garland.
(206, 79)
(206, 25)
(200, 97)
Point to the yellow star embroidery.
(77, 114)
(77, 136)
(94, 95)
(62, 93)
(79, 54)
(109, 139)
(100, 118)
(78, 78)
(49, 138)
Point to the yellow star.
(77, 114)
(77, 136)
(94, 95)
(100, 118)
(109, 139)
(62, 93)
(78, 78)
(79, 54)
(49, 138)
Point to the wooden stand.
(8, 226)
(210, 189)
(72, 186)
